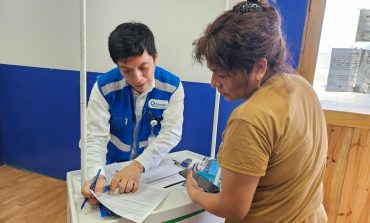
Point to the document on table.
(166, 169)
(134, 206)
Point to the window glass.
(342, 75)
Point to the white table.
(177, 207)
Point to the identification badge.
(157, 104)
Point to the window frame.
(307, 64)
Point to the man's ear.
(156, 57)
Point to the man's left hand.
(127, 180)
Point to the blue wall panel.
(40, 119)
(2, 93)
(198, 118)
(41, 126)
(293, 18)
(1, 136)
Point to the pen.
(176, 162)
(91, 187)
(173, 184)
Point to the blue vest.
(119, 96)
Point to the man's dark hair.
(130, 39)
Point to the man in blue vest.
(135, 111)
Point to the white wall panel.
(45, 33)
(175, 24)
(40, 33)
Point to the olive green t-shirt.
(279, 133)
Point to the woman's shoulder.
(272, 97)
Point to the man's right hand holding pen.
(99, 188)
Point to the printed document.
(343, 69)
(134, 206)
(349, 70)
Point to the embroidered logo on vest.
(157, 104)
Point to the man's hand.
(99, 188)
(127, 180)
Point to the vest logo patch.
(157, 104)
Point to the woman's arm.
(234, 200)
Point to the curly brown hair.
(237, 39)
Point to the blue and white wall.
(39, 71)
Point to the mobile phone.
(202, 183)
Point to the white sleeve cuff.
(91, 173)
(145, 161)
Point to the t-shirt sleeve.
(244, 149)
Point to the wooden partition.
(347, 177)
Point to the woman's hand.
(192, 186)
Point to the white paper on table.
(168, 181)
(165, 169)
(134, 206)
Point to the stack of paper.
(134, 206)
(139, 205)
